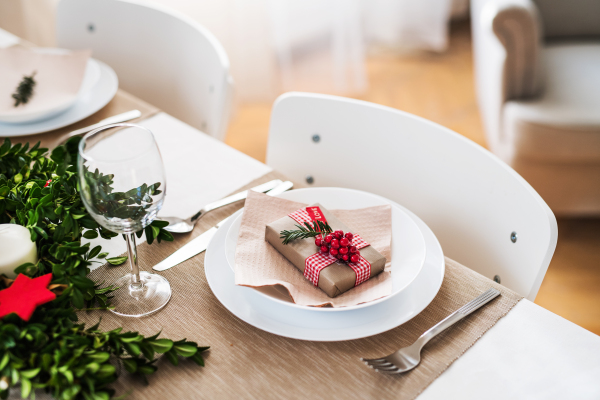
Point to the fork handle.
(235, 198)
(456, 316)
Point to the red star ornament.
(24, 295)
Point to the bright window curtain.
(408, 24)
(32, 20)
(276, 46)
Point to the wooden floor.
(440, 87)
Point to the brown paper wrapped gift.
(334, 279)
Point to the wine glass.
(122, 181)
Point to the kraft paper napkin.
(58, 78)
(258, 264)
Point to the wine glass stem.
(132, 252)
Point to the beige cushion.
(563, 123)
(570, 18)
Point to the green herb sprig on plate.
(24, 90)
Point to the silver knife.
(199, 244)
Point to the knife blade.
(200, 243)
(126, 116)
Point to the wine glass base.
(151, 296)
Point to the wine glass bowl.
(121, 177)
(123, 185)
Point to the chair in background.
(484, 214)
(159, 55)
(537, 65)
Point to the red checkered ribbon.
(315, 263)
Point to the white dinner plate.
(90, 78)
(89, 102)
(251, 307)
(408, 244)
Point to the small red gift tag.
(316, 214)
(25, 295)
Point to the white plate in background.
(100, 93)
(90, 78)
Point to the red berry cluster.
(339, 245)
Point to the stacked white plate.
(417, 274)
(99, 86)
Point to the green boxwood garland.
(52, 351)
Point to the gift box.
(331, 275)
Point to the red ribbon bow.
(317, 262)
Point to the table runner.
(121, 103)
(245, 362)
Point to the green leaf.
(197, 358)
(161, 345)
(94, 252)
(185, 350)
(25, 387)
(132, 349)
(30, 373)
(147, 351)
(102, 396)
(172, 357)
(129, 364)
(147, 369)
(116, 260)
(71, 392)
(102, 255)
(28, 269)
(93, 367)
(5, 147)
(81, 282)
(91, 234)
(58, 154)
(99, 357)
(4, 361)
(77, 297)
(131, 337)
(105, 371)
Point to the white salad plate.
(408, 244)
(305, 323)
(99, 86)
(90, 78)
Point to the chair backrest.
(159, 55)
(470, 199)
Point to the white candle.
(16, 248)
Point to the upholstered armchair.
(537, 67)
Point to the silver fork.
(180, 225)
(409, 357)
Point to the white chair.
(159, 55)
(484, 214)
